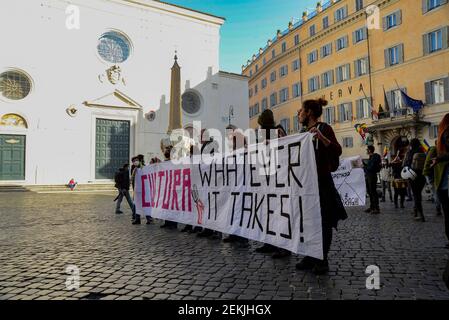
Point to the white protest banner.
(268, 193)
(349, 180)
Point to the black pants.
(371, 182)
(399, 193)
(417, 186)
(444, 199)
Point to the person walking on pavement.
(441, 170)
(327, 156)
(372, 168)
(415, 160)
(399, 184)
(386, 176)
(122, 183)
(430, 176)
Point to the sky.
(249, 24)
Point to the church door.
(12, 157)
(111, 147)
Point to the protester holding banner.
(372, 168)
(327, 153)
(138, 163)
(441, 170)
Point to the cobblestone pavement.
(41, 234)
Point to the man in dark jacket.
(122, 184)
(372, 168)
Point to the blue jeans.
(125, 193)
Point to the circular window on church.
(14, 85)
(191, 102)
(114, 47)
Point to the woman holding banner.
(327, 154)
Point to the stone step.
(103, 187)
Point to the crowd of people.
(432, 168)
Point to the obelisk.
(175, 115)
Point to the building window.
(394, 55)
(392, 20)
(436, 40)
(257, 67)
(325, 22)
(312, 56)
(397, 100)
(361, 67)
(359, 35)
(341, 43)
(273, 53)
(429, 5)
(314, 84)
(345, 112)
(433, 134)
(264, 83)
(296, 89)
(295, 123)
(327, 79)
(114, 47)
(283, 71)
(343, 73)
(329, 115)
(348, 142)
(358, 5)
(363, 109)
(250, 92)
(437, 91)
(191, 102)
(251, 73)
(273, 99)
(296, 39)
(284, 47)
(312, 30)
(256, 89)
(273, 76)
(264, 104)
(14, 85)
(295, 65)
(285, 123)
(264, 61)
(283, 95)
(254, 110)
(326, 50)
(341, 13)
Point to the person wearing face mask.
(168, 224)
(122, 185)
(327, 154)
(138, 163)
(440, 165)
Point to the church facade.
(78, 101)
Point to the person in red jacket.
(327, 153)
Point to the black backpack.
(117, 179)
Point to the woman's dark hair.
(415, 144)
(316, 106)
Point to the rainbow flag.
(386, 151)
(425, 145)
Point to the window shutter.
(426, 48)
(445, 32)
(399, 17)
(346, 11)
(341, 110)
(317, 81)
(331, 75)
(346, 41)
(358, 114)
(348, 69)
(356, 68)
(425, 7)
(401, 53)
(350, 111)
(333, 114)
(354, 39)
(387, 58)
(446, 88)
(384, 23)
(330, 47)
(365, 33)
(322, 80)
(390, 100)
(428, 89)
(338, 75)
